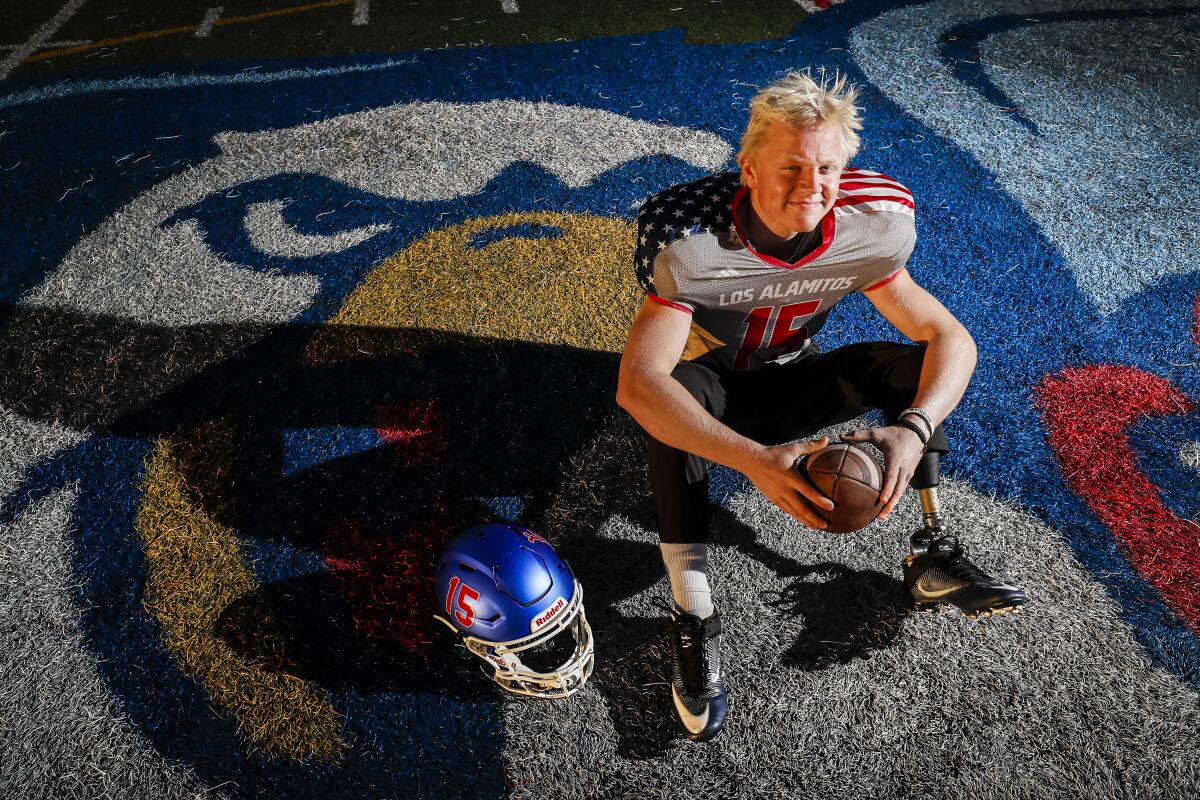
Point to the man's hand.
(770, 470)
(902, 450)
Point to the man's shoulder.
(696, 208)
(688, 199)
(864, 191)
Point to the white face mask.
(515, 677)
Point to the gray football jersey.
(749, 309)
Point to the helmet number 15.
(460, 601)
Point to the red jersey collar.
(827, 230)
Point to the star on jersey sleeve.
(675, 213)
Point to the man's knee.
(878, 374)
(903, 379)
(900, 366)
(703, 384)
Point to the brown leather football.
(851, 477)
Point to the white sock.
(687, 570)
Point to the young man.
(740, 271)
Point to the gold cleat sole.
(932, 608)
(996, 612)
(928, 608)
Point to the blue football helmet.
(506, 592)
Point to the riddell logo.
(550, 613)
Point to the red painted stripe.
(660, 301)
(385, 572)
(1087, 412)
(415, 432)
(885, 281)
(385, 575)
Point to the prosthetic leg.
(926, 480)
(938, 572)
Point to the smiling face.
(793, 176)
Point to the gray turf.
(1189, 454)
(1056, 702)
(62, 734)
(270, 233)
(1112, 175)
(25, 442)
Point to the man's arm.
(950, 351)
(670, 414)
(949, 361)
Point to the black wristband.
(920, 414)
(917, 429)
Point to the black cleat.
(938, 573)
(696, 685)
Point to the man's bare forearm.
(949, 363)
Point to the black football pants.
(780, 404)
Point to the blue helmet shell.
(501, 583)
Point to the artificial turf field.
(294, 291)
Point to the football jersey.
(749, 309)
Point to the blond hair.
(801, 102)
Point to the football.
(849, 476)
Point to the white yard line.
(210, 18)
(362, 12)
(39, 38)
(73, 88)
(50, 45)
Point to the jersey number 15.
(780, 321)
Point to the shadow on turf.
(512, 419)
(505, 419)
(253, 424)
(302, 627)
(847, 613)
